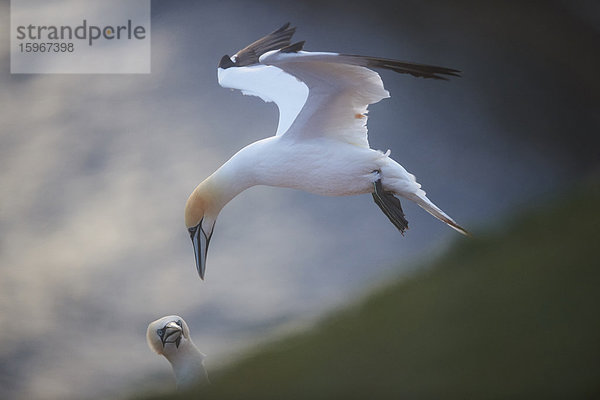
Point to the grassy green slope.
(513, 315)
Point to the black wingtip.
(226, 62)
(414, 69)
(283, 28)
(275, 40)
(293, 48)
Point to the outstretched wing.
(341, 87)
(318, 94)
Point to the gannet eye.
(178, 322)
(160, 332)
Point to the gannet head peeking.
(170, 336)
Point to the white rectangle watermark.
(80, 36)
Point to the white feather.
(339, 94)
(271, 84)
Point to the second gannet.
(321, 143)
(170, 336)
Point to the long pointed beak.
(200, 240)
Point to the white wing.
(339, 93)
(318, 94)
(270, 84)
(314, 95)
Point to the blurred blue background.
(95, 171)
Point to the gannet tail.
(400, 182)
(426, 204)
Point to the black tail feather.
(390, 205)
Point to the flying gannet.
(170, 336)
(321, 143)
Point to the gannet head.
(201, 212)
(170, 337)
(166, 335)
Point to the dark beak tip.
(200, 267)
